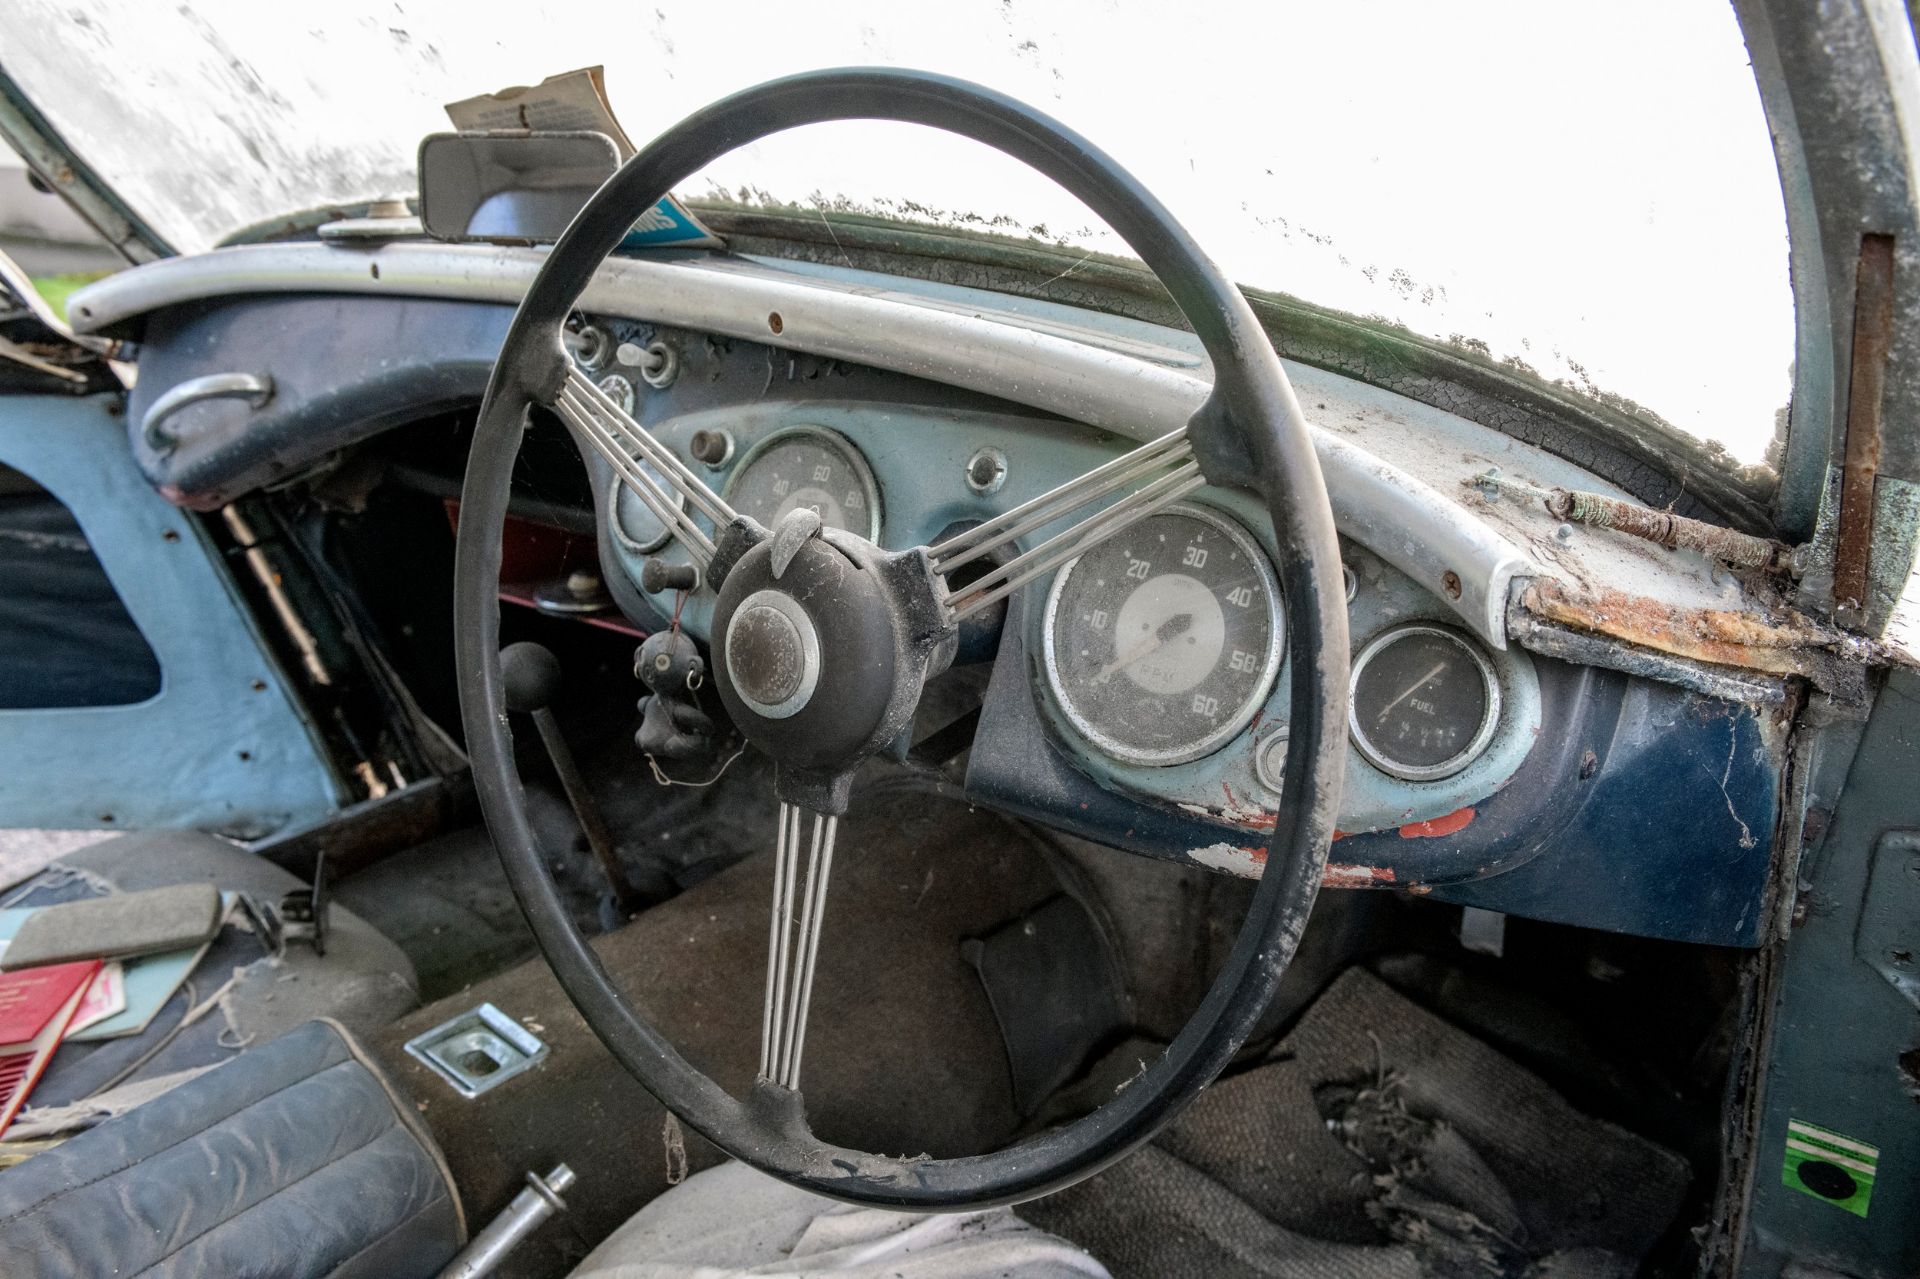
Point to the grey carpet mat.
(1378, 1142)
(903, 1054)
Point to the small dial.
(1162, 642)
(810, 467)
(1425, 702)
(638, 530)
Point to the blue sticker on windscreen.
(667, 225)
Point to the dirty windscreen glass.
(1587, 190)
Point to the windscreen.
(1583, 191)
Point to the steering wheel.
(822, 642)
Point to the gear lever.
(531, 676)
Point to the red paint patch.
(1452, 824)
(1339, 876)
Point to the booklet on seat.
(36, 1004)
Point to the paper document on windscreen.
(573, 101)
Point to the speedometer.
(807, 466)
(1162, 643)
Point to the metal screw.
(986, 470)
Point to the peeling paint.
(1452, 824)
(1248, 863)
(1337, 875)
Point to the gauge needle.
(1410, 690)
(1166, 631)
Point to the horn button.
(773, 654)
(807, 659)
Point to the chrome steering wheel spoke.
(790, 960)
(625, 445)
(1170, 473)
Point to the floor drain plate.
(477, 1050)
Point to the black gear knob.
(530, 674)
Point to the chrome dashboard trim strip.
(1392, 513)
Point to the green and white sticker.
(1829, 1166)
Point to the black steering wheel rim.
(1250, 433)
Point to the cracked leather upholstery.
(294, 1159)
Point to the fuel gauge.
(1425, 702)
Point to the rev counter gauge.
(807, 466)
(1162, 643)
(1425, 702)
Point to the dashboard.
(1159, 657)
(1138, 694)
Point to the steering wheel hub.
(809, 663)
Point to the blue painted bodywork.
(224, 745)
(1607, 825)
(1843, 1052)
(1672, 837)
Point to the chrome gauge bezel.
(1482, 737)
(1230, 728)
(832, 440)
(626, 541)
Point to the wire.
(664, 780)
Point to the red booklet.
(35, 1006)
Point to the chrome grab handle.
(255, 388)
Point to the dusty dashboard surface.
(1531, 702)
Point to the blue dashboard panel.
(918, 458)
(1559, 818)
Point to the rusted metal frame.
(1836, 662)
(1549, 639)
(1866, 389)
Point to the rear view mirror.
(519, 188)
